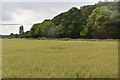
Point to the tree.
(33, 31)
(69, 24)
(114, 22)
(97, 23)
(52, 33)
(45, 26)
(27, 34)
(16, 36)
(21, 29)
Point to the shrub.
(41, 38)
(65, 39)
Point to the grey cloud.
(6, 17)
(9, 7)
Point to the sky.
(29, 12)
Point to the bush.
(41, 38)
(65, 39)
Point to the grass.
(24, 58)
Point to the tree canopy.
(92, 21)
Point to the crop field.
(25, 58)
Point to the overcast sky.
(35, 11)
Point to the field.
(24, 58)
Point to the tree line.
(99, 21)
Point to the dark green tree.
(21, 29)
(97, 23)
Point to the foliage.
(41, 38)
(21, 29)
(42, 29)
(35, 31)
(66, 39)
(97, 23)
(69, 24)
(110, 5)
(11, 36)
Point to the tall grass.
(24, 58)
